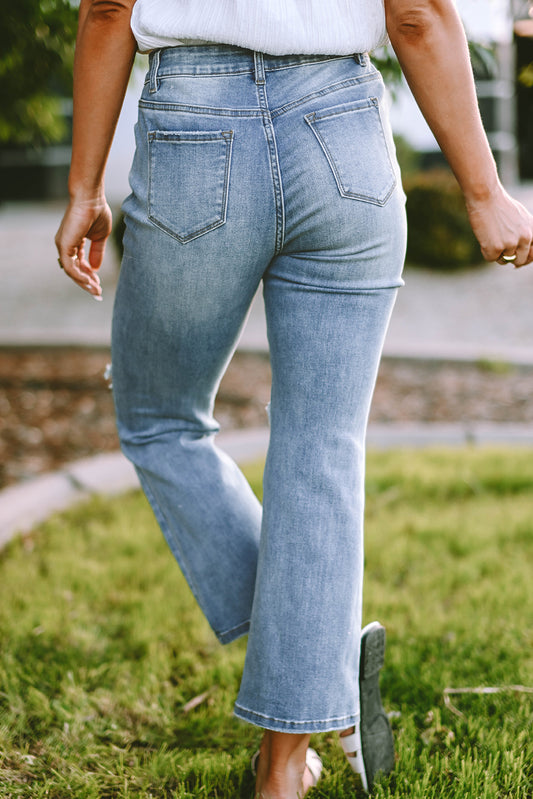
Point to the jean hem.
(233, 633)
(283, 725)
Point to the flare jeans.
(253, 168)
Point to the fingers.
(520, 255)
(504, 229)
(517, 246)
(81, 223)
(80, 272)
(507, 259)
(96, 254)
(524, 251)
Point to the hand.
(503, 227)
(84, 219)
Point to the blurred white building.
(487, 22)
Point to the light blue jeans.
(280, 169)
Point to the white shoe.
(370, 748)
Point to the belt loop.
(155, 58)
(259, 68)
(362, 59)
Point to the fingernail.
(97, 297)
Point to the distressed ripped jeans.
(253, 168)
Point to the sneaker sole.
(377, 742)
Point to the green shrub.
(439, 231)
(408, 158)
(36, 57)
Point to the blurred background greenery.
(36, 59)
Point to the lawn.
(112, 685)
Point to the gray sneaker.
(370, 748)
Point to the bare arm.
(105, 49)
(428, 38)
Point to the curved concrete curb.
(27, 504)
(456, 434)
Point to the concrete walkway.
(29, 503)
(476, 313)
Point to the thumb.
(96, 253)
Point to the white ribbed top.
(277, 27)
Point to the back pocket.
(188, 181)
(352, 139)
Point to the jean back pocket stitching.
(196, 137)
(356, 107)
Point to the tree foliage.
(36, 56)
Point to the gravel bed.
(56, 406)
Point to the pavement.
(481, 313)
(477, 314)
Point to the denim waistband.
(221, 59)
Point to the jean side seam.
(178, 555)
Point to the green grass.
(102, 646)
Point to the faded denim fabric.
(280, 169)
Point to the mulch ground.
(56, 406)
